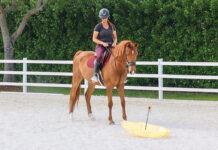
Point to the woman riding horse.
(114, 72)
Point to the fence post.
(24, 75)
(160, 80)
(86, 86)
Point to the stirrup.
(94, 79)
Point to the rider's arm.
(96, 40)
(115, 38)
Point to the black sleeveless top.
(105, 35)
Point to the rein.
(115, 60)
(133, 63)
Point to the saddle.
(104, 60)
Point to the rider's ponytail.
(111, 25)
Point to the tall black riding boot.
(96, 70)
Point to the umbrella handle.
(149, 108)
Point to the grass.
(131, 93)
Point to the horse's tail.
(74, 97)
(77, 96)
(75, 90)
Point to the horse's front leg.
(120, 89)
(110, 104)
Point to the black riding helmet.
(104, 13)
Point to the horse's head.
(131, 56)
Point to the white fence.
(160, 76)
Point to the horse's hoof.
(91, 117)
(71, 116)
(111, 122)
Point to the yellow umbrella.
(143, 130)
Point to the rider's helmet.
(104, 13)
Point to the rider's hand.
(105, 44)
(114, 44)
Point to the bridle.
(132, 63)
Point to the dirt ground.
(41, 122)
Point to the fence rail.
(160, 76)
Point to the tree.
(9, 40)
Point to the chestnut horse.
(114, 74)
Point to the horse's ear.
(136, 44)
(128, 44)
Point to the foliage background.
(175, 30)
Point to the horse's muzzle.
(132, 72)
(132, 67)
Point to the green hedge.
(184, 30)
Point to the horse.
(114, 74)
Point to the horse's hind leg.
(91, 88)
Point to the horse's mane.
(119, 50)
